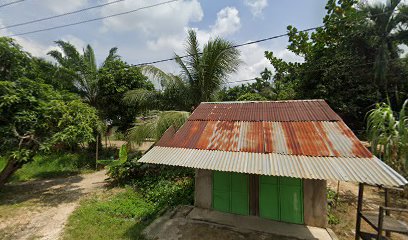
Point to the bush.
(332, 203)
(55, 165)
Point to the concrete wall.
(315, 202)
(203, 188)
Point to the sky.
(159, 32)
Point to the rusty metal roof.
(304, 139)
(364, 170)
(274, 111)
(295, 138)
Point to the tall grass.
(3, 163)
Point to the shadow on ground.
(42, 192)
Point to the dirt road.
(40, 209)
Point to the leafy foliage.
(155, 124)
(339, 59)
(34, 117)
(388, 135)
(115, 78)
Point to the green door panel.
(239, 194)
(221, 189)
(269, 197)
(230, 192)
(291, 200)
(281, 199)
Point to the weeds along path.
(40, 209)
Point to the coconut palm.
(388, 23)
(202, 72)
(206, 71)
(82, 68)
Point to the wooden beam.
(359, 209)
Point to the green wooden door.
(291, 200)
(239, 194)
(269, 197)
(281, 199)
(230, 192)
(221, 191)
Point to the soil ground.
(39, 209)
(346, 208)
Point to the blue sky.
(157, 33)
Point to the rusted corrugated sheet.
(278, 111)
(167, 136)
(364, 170)
(295, 138)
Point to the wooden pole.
(359, 208)
(97, 152)
(338, 192)
(386, 204)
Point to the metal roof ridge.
(275, 153)
(268, 101)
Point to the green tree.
(206, 70)
(14, 63)
(115, 78)
(35, 117)
(82, 68)
(339, 59)
(389, 27)
(202, 74)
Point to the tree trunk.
(9, 169)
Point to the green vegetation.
(110, 216)
(203, 72)
(352, 62)
(388, 135)
(124, 214)
(54, 165)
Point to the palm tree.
(82, 68)
(202, 72)
(388, 23)
(206, 71)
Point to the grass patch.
(54, 165)
(110, 216)
(124, 214)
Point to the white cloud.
(62, 6)
(256, 6)
(162, 20)
(227, 23)
(254, 61)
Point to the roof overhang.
(364, 170)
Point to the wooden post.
(359, 209)
(97, 152)
(338, 193)
(386, 204)
(380, 223)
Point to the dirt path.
(40, 209)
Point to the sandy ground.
(40, 209)
(373, 198)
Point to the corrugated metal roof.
(276, 111)
(303, 139)
(364, 170)
(296, 138)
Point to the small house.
(269, 159)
